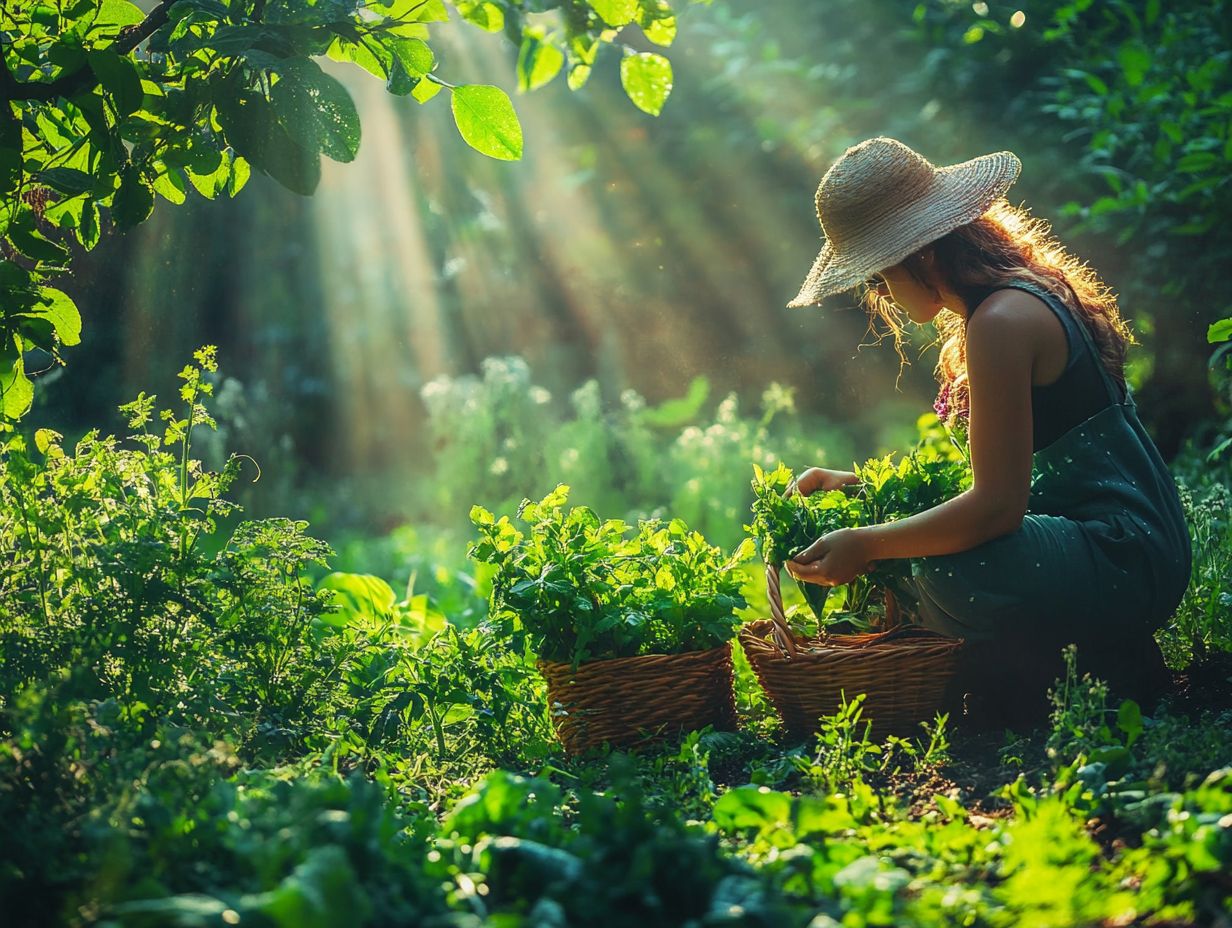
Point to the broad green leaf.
(210, 183)
(61, 312)
(425, 90)
(1197, 161)
(16, 391)
(615, 12)
(482, 13)
(412, 60)
(116, 13)
(254, 132)
(486, 119)
(119, 77)
(538, 61)
(578, 76)
(661, 31)
(1220, 331)
(418, 11)
(316, 110)
(359, 596)
(240, 172)
(33, 244)
(362, 55)
(647, 79)
(88, 227)
(169, 184)
(657, 22)
(747, 807)
(133, 202)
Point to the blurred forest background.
(654, 256)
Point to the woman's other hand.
(834, 559)
(820, 479)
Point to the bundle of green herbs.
(579, 588)
(783, 526)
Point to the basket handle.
(782, 633)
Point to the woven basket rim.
(637, 658)
(926, 637)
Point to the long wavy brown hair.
(1005, 243)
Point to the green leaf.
(254, 132)
(16, 391)
(647, 80)
(538, 61)
(1197, 161)
(61, 312)
(615, 12)
(119, 77)
(169, 184)
(1135, 60)
(66, 180)
(116, 13)
(657, 22)
(375, 63)
(359, 596)
(413, 59)
(482, 13)
(240, 172)
(486, 119)
(33, 244)
(1220, 331)
(425, 90)
(88, 227)
(316, 111)
(417, 11)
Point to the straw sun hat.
(881, 201)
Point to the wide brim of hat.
(959, 193)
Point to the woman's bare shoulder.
(1016, 323)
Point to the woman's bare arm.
(1001, 345)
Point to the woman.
(1072, 529)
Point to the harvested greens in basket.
(782, 527)
(583, 588)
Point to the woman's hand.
(820, 479)
(834, 559)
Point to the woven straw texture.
(634, 701)
(881, 201)
(903, 671)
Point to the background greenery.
(282, 702)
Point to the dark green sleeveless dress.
(1103, 548)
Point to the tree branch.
(68, 84)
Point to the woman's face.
(920, 302)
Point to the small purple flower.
(951, 409)
(941, 405)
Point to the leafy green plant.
(783, 526)
(583, 589)
(1202, 623)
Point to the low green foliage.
(199, 723)
(581, 588)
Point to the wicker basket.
(903, 670)
(635, 701)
